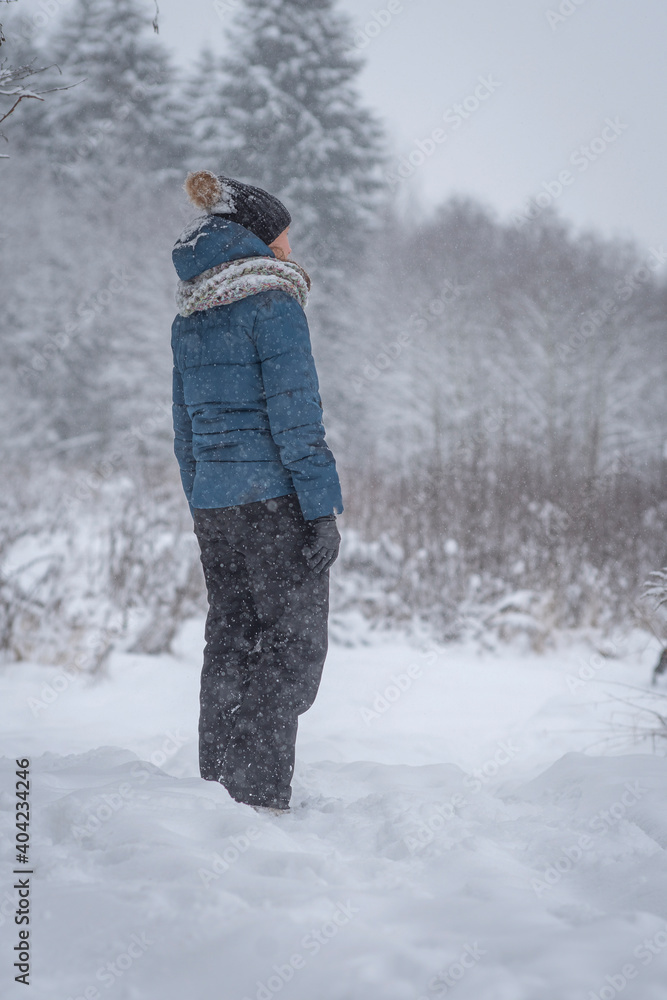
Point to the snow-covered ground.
(461, 826)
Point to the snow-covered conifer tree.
(118, 114)
(281, 111)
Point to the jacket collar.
(211, 240)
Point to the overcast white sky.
(555, 86)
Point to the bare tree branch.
(10, 85)
(2, 34)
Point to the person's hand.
(322, 550)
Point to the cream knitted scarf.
(237, 279)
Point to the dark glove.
(322, 550)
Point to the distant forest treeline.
(494, 393)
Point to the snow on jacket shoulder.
(246, 405)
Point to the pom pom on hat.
(209, 192)
(255, 209)
(204, 189)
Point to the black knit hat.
(251, 207)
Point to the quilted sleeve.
(293, 401)
(183, 436)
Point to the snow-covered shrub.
(655, 588)
(118, 569)
(479, 548)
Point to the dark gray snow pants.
(266, 642)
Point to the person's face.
(280, 245)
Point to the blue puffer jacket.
(246, 405)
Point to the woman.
(260, 481)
